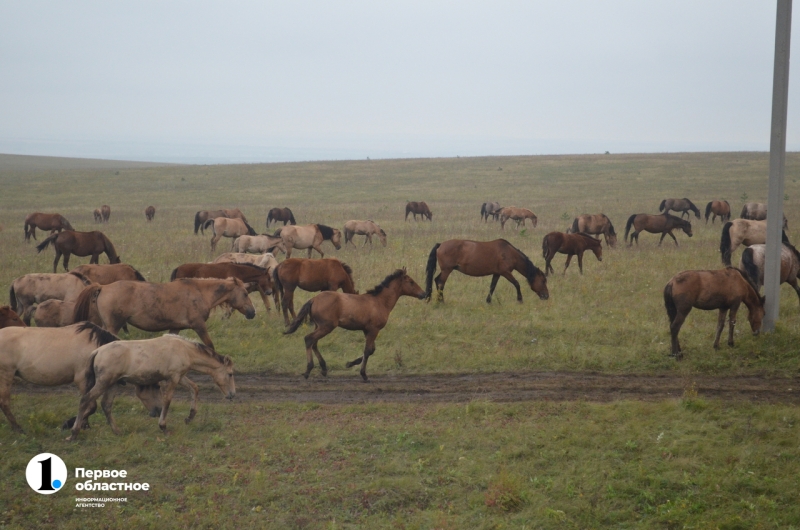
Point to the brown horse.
(9, 318)
(366, 312)
(98, 215)
(150, 212)
(721, 209)
(225, 227)
(756, 211)
(722, 289)
(106, 211)
(255, 278)
(204, 215)
(752, 263)
(308, 236)
(662, 224)
(281, 214)
(490, 209)
(420, 208)
(569, 244)
(105, 274)
(742, 232)
(70, 242)
(310, 275)
(55, 222)
(517, 214)
(55, 313)
(595, 224)
(363, 228)
(35, 288)
(482, 258)
(679, 205)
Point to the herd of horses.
(79, 314)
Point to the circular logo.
(46, 473)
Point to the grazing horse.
(9, 318)
(679, 205)
(595, 224)
(106, 211)
(70, 242)
(482, 258)
(310, 275)
(490, 209)
(98, 215)
(204, 215)
(105, 274)
(173, 306)
(569, 244)
(420, 208)
(308, 236)
(54, 357)
(721, 209)
(722, 289)
(662, 224)
(742, 232)
(258, 244)
(756, 211)
(55, 222)
(281, 214)
(150, 212)
(752, 263)
(366, 312)
(363, 228)
(224, 227)
(35, 288)
(517, 214)
(255, 278)
(266, 260)
(148, 362)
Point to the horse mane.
(251, 265)
(138, 275)
(347, 269)
(375, 291)
(749, 281)
(202, 348)
(97, 334)
(610, 226)
(326, 231)
(531, 270)
(81, 277)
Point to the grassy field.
(691, 463)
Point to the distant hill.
(43, 163)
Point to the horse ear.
(227, 361)
(404, 270)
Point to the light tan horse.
(363, 228)
(53, 357)
(148, 362)
(595, 224)
(113, 272)
(32, 289)
(204, 215)
(752, 263)
(224, 227)
(308, 236)
(517, 214)
(60, 313)
(173, 306)
(266, 260)
(742, 232)
(258, 244)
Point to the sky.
(262, 81)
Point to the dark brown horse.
(418, 208)
(106, 274)
(595, 224)
(255, 278)
(723, 289)
(150, 212)
(70, 242)
(204, 215)
(662, 224)
(721, 209)
(98, 215)
(679, 205)
(106, 211)
(482, 258)
(9, 318)
(571, 245)
(366, 312)
(281, 214)
(55, 222)
(310, 275)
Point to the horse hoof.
(67, 425)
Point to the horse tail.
(209, 222)
(291, 218)
(430, 269)
(574, 226)
(84, 302)
(483, 211)
(12, 297)
(628, 225)
(725, 243)
(276, 282)
(90, 377)
(174, 274)
(750, 267)
(269, 217)
(784, 237)
(197, 222)
(545, 246)
(662, 205)
(301, 316)
(44, 244)
(250, 230)
(708, 210)
(669, 303)
(743, 215)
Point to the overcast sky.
(300, 80)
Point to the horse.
(71, 242)
(517, 214)
(55, 222)
(662, 224)
(310, 275)
(569, 244)
(225, 227)
(756, 211)
(420, 208)
(366, 312)
(490, 209)
(204, 215)
(742, 231)
(679, 205)
(363, 228)
(721, 209)
(56, 313)
(106, 211)
(148, 362)
(752, 263)
(258, 244)
(31, 289)
(723, 289)
(9, 318)
(98, 215)
(482, 258)
(281, 214)
(595, 224)
(105, 274)
(254, 278)
(150, 212)
(308, 236)
(266, 260)
(54, 357)
(173, 306)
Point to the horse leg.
(508, 276)
(793, 283)
(106, 403)
(5, 400)
(193, 390)
(55, 261)
(732, 323)
(264, 299)
(569, 258)
(288, 305)
(322, 365)
(663, 235)
(214, 241)
(311, 346)
(720, 326)
(673, 238)
(368, 238)
(580, 262)
(495, 277)
(95, 259)
(440, 280)
(674, 329)
(202, 332)
(87, 407)
(169, 391)
(369, 349)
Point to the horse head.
(382, 236)
(409, 287)
(686, 226)
(223, 377)
(536, 279)
(756, 316)
(336, 238)
(239, 300)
